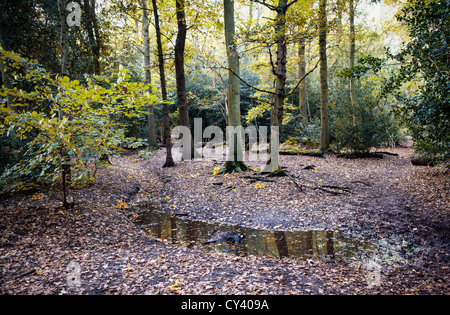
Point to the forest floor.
(388, 202)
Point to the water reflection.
(304, 245)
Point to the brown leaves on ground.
(390, 200)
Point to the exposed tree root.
(234, 167)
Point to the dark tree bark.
(167, 135)
(93, 35)
(152, 142)
(179, 63)
(324, 135)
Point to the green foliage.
(367, 125)
(427, 57)
(67, 123)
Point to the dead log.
(421, 162)
(387, 153)
(360, 155)
(309, 153)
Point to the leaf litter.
(402, 209)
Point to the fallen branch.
(328, 191)
(310, 153)
(360, 155)
(361, 182)
(387, 153)
(420, 162)
(346, 189)
(258, 178)
(26, 273)
(293, 180)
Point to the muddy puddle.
(303, 245)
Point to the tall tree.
(93, 34)
(180, 46)
(167, 134)
(152, 142)
(62, 18)
(301, 73)
(324, 134)
(352, 57)
(235, 157)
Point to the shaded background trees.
(337, 108)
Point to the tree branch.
(246, 83)
(304, 77)
(289, 4)
(271, 7)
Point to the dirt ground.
(95, 248)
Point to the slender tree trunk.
(6, 73)
(324, 135)
(167, 135)
(7, 83)
(352, 59)
(235, 157)
(65, 166)
(280, 86)
(180, 46)
(62, 38)
(179, 63)
(301, 74)
(152, 142)
(280, 78)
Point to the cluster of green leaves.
(426, 57)
(369, 124)
(66, 123)
(365, 64)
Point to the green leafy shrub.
(67, 126)
(367, 125)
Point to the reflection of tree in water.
(280, 239)
(173, 229)
(191, 232)
(300, 244)
(330, 244)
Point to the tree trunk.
(180, 73)
(179, 64)
(235, 160)
(301, 74)
(62, 38)
(6, 73)
(93, 35)
(167, 135)
(280, 88)
(152, 142)
(352, 59)
(324, 135)
(5, 70)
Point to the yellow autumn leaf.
(259, 186)
(175, 287)
(216, 171)
(121, 205)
